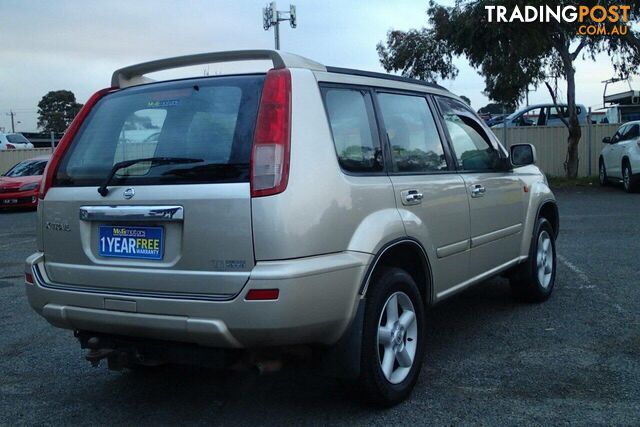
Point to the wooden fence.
(551, 145)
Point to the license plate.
(131, 242)
(10, 201)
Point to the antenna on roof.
(271, 17)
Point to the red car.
(19, 186)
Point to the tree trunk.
(575, 132)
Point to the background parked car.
(620, 158)
(542, 115)
(14, 141)
(496, 120)
(20, 185)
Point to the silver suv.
(200, 219)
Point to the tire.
(405, 341)
(630, 184)
(533, 281)
(604, 180)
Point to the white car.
(14, 141)
(620, 159)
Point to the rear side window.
(412, 133)
(352, 121)
(211, 119)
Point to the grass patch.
(558, 181)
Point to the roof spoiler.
(135, 74)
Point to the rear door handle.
(477, 190)
(411, 197)
(132, 213)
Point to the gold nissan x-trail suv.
(284, 203)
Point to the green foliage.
(496, 108)
(56, 110)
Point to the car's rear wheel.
(534, 280)
(392, 344)
(604, 180)
(630, 185)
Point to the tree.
(56, 110)
(511, 56)
(465, 99)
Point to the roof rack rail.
(134, 74)
(373, 74)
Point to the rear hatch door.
(180, 229)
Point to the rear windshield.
(210, 119)
(17, 138)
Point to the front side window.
(618, 135)
(351, 117)
(471, 144)
(632, 132)
(412, 133)
(209, 120)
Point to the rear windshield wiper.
(155, 161)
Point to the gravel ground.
(490, 360)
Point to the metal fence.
(8, 158)
(551, 145)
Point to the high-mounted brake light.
(65, 142)
(272, 140)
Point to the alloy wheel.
(397, 337)
(544, 259)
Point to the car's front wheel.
(604, 180)
(392, 342)
(630, 185)
(534, 280)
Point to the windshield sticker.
(164, 103)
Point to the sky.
(77, 44)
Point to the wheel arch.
(549, 210)
(625, 161)
(406, 253)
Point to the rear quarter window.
(351, 117)
(210, 119)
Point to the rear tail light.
(65, 142)
(272, 141)
(262, 294)
(10, 146)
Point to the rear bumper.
(317, 301)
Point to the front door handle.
(411, 197)
(477, 190)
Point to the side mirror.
(606, 140)
(523, 155)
